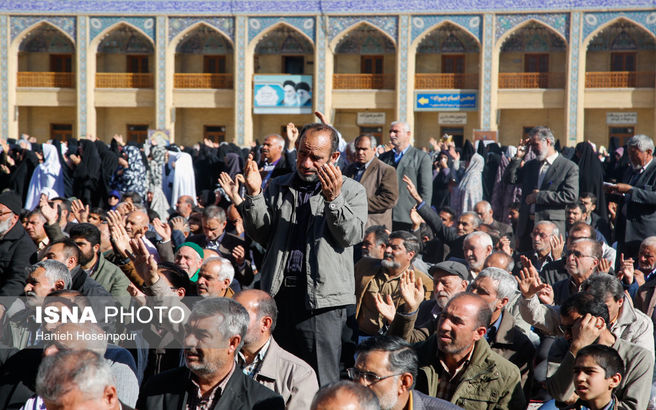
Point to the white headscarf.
(470, 189)
(46, 176)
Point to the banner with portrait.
(282, 94)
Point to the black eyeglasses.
(371, 378)
(577, 254)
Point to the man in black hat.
(16, 247)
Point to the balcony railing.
(531, 80)
(445, 80)
(124, 80)
(46, 79)
(363, 81)
(202, 80)
(619, 79)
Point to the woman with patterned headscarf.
(133, 178)
(470, 188)
(158, 202)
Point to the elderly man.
(585, 320)
(545, 243)
(412, 163)
(77, 379)
(379, 179)
(457, 364)
(477, 247)
(448, 280)
(389, 367)
(636, 219)
(644, 299)
(582, 260)
(185, 206)
(484, 211)
(274, 159)
(266, 362)
(15, 245)
(189, 258)
(214, 223)
(549, 182)
(377, 280)
(214, 278)
(214, 334)
(310, 220)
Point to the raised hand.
(144, 262)
(80, 211)
(626, 270)
(604, 265)
(557, 245)
(321, 117)
(253, 179)
(231, 187)
(412, 290)
(415, 218)
(546, 295)
(412, 190)
(292, 134)
(330, 177)
(385, 307)
(48, 211)
(163, 229)
(529, 280)
(178, 223)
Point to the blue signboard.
(282, 94)
(445, 101)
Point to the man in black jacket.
(16, 247)
(210, 379)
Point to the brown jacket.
(382, 186)
(288, 376)
(645, 298)
(365, 271)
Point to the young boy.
(598, 370)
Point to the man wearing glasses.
(388, 366)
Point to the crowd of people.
(318, 273)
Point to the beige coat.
(288, 376)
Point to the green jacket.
(488, 382)
(332, 231)
(112, 278)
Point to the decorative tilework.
(404, 45)
(240, 47)
(387, 24)
(20, 23)
(488, 45)
(160, 82)
(145, 24)
(559, 22)
(322, 49)
(592, 21)
(225, 25)
(81, 67)
(301, 7)
(256, 25)
(4, 76)
(574, 78)
(470, 23)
